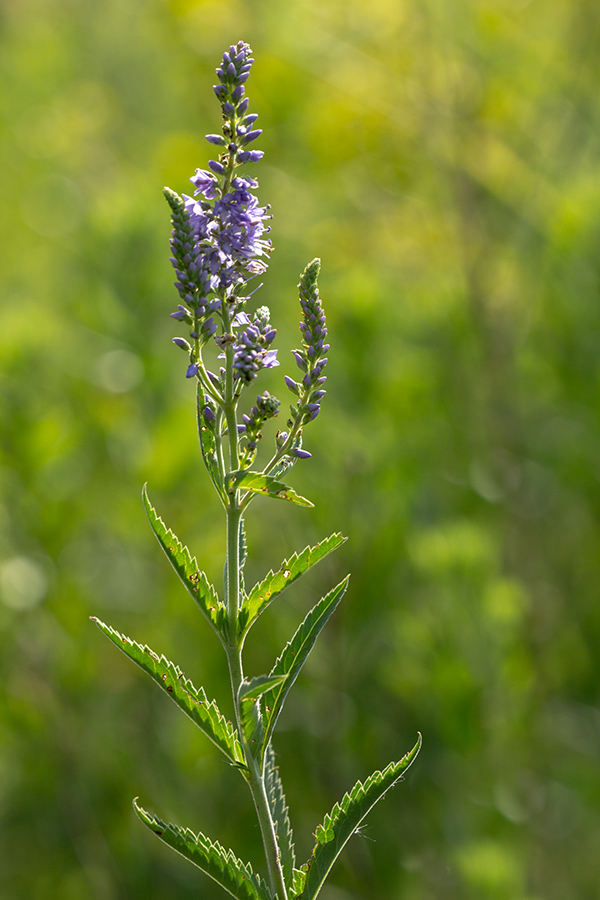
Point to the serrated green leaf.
(263, 593)
(341, 823)
(186, 567)
(295, 653)
(236, 877)
(297, 883)
(193, 701)
(281, 819)
(254, 687)
(257, 483)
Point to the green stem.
(256, 783)
(263, 811)
(255, 776)
(232, 585)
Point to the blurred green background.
(443, 160)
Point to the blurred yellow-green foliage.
(443, 158)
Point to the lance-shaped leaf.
(257, 483)
(295, 653)
(186, 566)
(249, 695)
(255, 687)
(236, 877)
(341, 823)
(281, 819)
(276, 582)
(252, 722)
(193, 701)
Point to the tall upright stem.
(232, 586)
(255, 775)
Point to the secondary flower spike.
(311, 357)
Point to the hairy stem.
(256, 783)
(255, 775)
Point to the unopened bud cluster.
(251, 351)
(311, 357)
(266, 407)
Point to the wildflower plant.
(219, 246)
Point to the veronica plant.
(219, 246)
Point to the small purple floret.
(250, 155)
(252, 135)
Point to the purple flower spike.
(219, 240)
